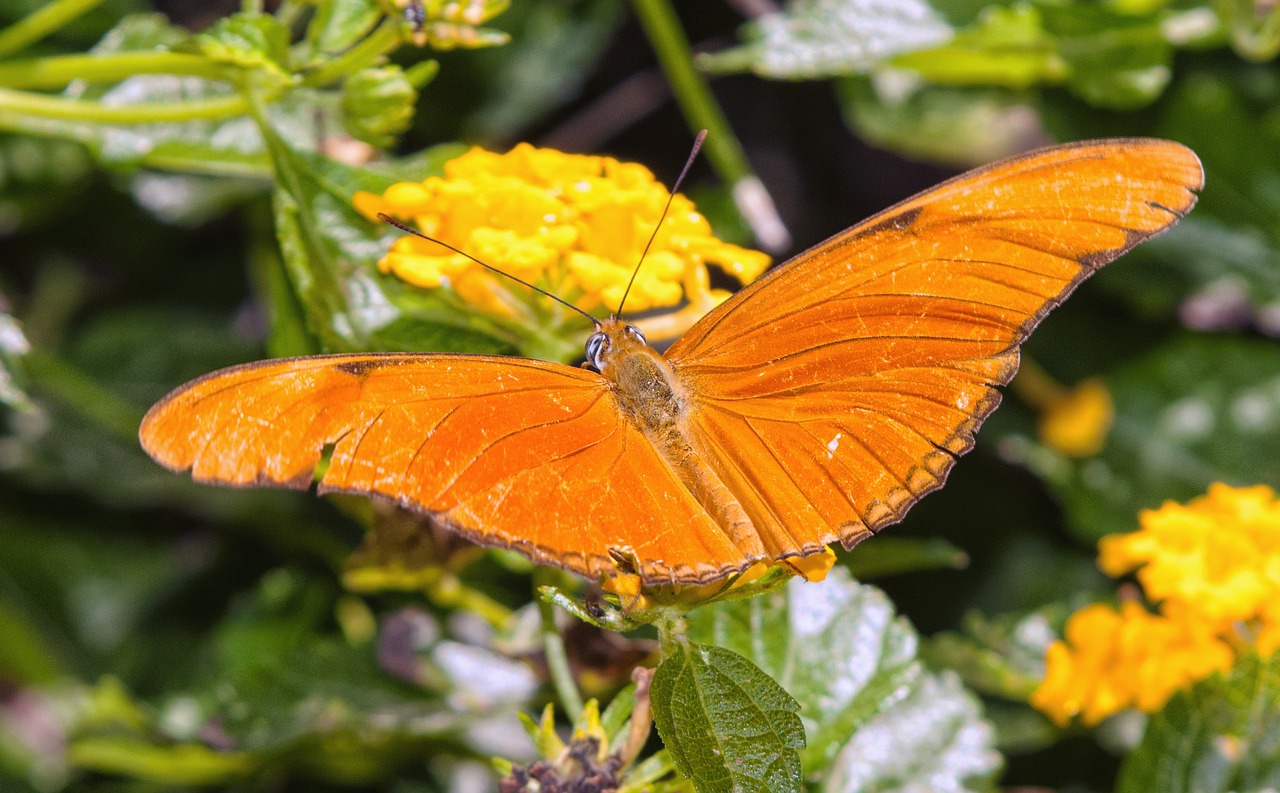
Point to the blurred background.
(157, 634)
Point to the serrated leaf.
(933, 740)
(1196, 410)
(812, 39)
(839, 649)
(727, 725)
(1221, 735)
(378, 104)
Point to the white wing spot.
(963, 402)
(834, 444)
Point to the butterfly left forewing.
(511, 452)
(834, 392)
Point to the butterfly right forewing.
(838, 389)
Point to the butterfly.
(814, 406)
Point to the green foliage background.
(170, 204)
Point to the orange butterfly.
(815, 405)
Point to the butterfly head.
(613, 338)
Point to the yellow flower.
(1213, 566)
(574, 225)
(1077, 422)
(1218, 554)
(1112, 660)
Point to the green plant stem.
(448, 592)
(700, 108)
(40, 23)
(553, 648)
(694, 96)
(76, 110)
(57, 71)
(384, 38)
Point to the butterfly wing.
(834, 392)
(509, 452)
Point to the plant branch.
(57, 71)
(40, 23)
(553, 648)
(30, 104)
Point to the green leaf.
(377, 104)
(961, 126)
(1114, 60)
(1221, 735)
(1005, 46)
(934, 739)
(253, 41)
(812, 39)
(894, 555)
(225, 147)
(339, 25)
(1254, 28)
(13, 345)
(330, 253)
(1000, 656)
(727, 725)
(1196, 410)
(837, 647)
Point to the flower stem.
(76, 110)
(40, 23)
(553, 648)
(57, 71)
(700, 108)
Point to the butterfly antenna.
(693, 155)
(388, 219)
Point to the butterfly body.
(814, 406)
(653, 395)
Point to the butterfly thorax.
(647, 389)
(653, 396)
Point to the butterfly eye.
(635, 333)
(597, 346)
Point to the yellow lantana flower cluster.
(574, 225)
(1213, 566)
